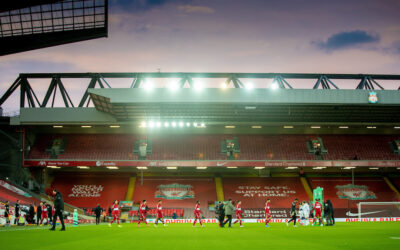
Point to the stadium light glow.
(291, 167)
(143, 124)
(230, 126)
(231, 167)
(202, 125)
(319, 167)
(151, 124)
(188, 124)
(315, 127)
(172, 168)
(373, 168)
(173, 124)
(259, 167)
(115, 126)
(349, 167)
(194, 124)
(173, 86)
(343, 127)
(86, 126)
(83, 167)
(256, 126)
(53, 167)
(158, 124)
(274, 85)
(288, 127)
(181, 124)
(142, 168)
(396, 127)
(249, 86)
(371, 127)
(198, 86)
(250, 107)
(112, 167)
(201, 167)
(148, 85)
(166, 124)
(57, 126)
(224, 85)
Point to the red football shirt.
(238, 209)
(267, 207)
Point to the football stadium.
(190, 160)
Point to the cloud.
(347, 39)
(196, 9)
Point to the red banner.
(64, 163)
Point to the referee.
(293, 213)
(59, 207)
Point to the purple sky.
(309, 36)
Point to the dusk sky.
(307, 36)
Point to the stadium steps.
(392, 186)
(131, 188)
(307, 187)
(219, 188)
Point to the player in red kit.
(197, 212)
(159, 214)
(44, 214)
(142, 213)
(239, 213)
(115, 213)
(267, 213)
(318, 212)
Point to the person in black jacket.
(39, 213)
(98, 210)
(221, 213)
(49, 213)
(31, 214)
(17, 210)
(293, 213)
(331, 211)
(7, 212)
(59, 207)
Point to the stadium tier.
(88, 191)
(208, 147)
(11, 193)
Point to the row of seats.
(208, 147)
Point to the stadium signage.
(175, 191)
(373, 97)
(38, 163)
(354, 192)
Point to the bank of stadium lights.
(172, 168)
(188, 124)
(83, 167)
(256, 126)
(349, 167)
(374, 168)
(53, 167)
(291, 167)
(249, 86)
(274, 85)
(200, 168)
(198, 85)
(231, 167)
(343, 127)
(259, 167)
(230, 126)
(86, 126)
(57, 126)
(317, 168)
(173, 124)
(166, 124)
(181, 124)
(173, 86)
(142, 168)
(371, 127)
(287, 127)
(115, 126)
(148, 85)
(112, 167)
(315, 127)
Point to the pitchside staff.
(59, 209)
(293, 213)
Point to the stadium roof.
(27, 25)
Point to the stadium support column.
(391, 186)
(219, 188)
(131, 188)
(307, 187)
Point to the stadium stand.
(363, 147)
(86, 191)
(345, 196)
(11, 193)
(208, 147)
(253, 192)
(181, 192)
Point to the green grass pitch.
(356, 235)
